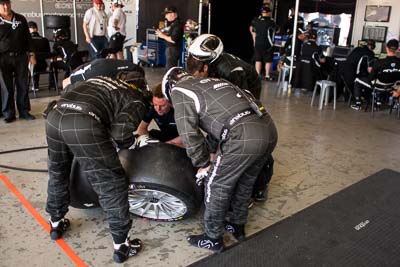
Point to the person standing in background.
(15, 40)
(262, 29)
(95, 28)
(116, 30)
(173, 34)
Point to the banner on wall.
(31, 9)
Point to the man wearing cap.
(288, 27)
(173, 35)
(15, 42)
(384, 71)
(308, 69)
(262, 29)
(357, 63)
(116, 30)
(95, 28)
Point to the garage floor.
(318, 154)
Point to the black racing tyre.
(165, 182)
(162, 183)
(82, 195)
(56, 22)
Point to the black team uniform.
(388, 70)
(15, 41)
(264, 27)
(308, 69)
(245, 141)
(353, 68)
(174, 29)
(166, 123)
(41, 48)
(237, 71)
(112, 68)
(85, 123)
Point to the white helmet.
(169, 80)
(206, 47)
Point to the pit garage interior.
(320, 153)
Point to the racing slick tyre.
(161, 183)
(56, 22)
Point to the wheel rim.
(156, 205)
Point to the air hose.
(20, 150)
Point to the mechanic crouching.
(162, 113)
(246, 134)
(85, 124)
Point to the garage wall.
(31, 10)
(393, 25)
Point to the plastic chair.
(284, 71)
(325, 86)
(379, 88)
(49, 71)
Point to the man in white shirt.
(95, 28)
(116, 30)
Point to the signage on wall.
(377, 13)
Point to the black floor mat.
(358, 226)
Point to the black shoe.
(237, 230)
(356, 106)
(203, 241)
(57, 231)
(27, 116)
(9, 119)
(127, 250)
(260, 196)
(269, 78)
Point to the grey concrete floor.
(318, 154)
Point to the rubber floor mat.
(358, 226)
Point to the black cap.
(31, 24)
(393, 44)
(265, 9)
(4, 1)
(312, 34)
(371, 43)
(168, 9)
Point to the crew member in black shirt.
(384, 72)
(209, 49)
(162, 113)
(86, 124)
(14, 57)
(64, 48)
(173, 34)
(288, 28)
(107, 67)
(262, 29)
(41, 49)
(309, 68)
(353, 67)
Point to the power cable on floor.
(20, 150)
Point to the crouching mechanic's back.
(85, 124)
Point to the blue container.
(275, 60)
